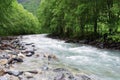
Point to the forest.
(83, 19)
(80, 20)
(15, 20)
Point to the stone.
(30, 53)
(59, 69)
(50, 56)
(46, 55)
(14, 73)
(33, 72)
(29, 43)
(20, 55)
(3, 61)
(14, 60)
(33, 45)
(70, 76)
(37, 55)
(2, 72)
(54, 57)
(28, 75)
(12, 56)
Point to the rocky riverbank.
(14, 54)
(95, 43)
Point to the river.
(100, 63)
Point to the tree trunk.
(95, 25)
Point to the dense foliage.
(30, 5)
(14, 19)
(86, 19)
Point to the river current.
(100, 63)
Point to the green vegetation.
(81, 19)
(30, 5)
(14, 19)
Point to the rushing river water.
(100, 63)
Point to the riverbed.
(101, 64)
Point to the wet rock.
(30, 53)
(71, 41)
(54, 57)
(20, 55)
(14, 73)
(33, 72)
(45, 55)
(22, 47)
(33, 45)
(71, 77)
(15, 60)
(50, 56)
(37, 55)
(59, 69)
(29, 44)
